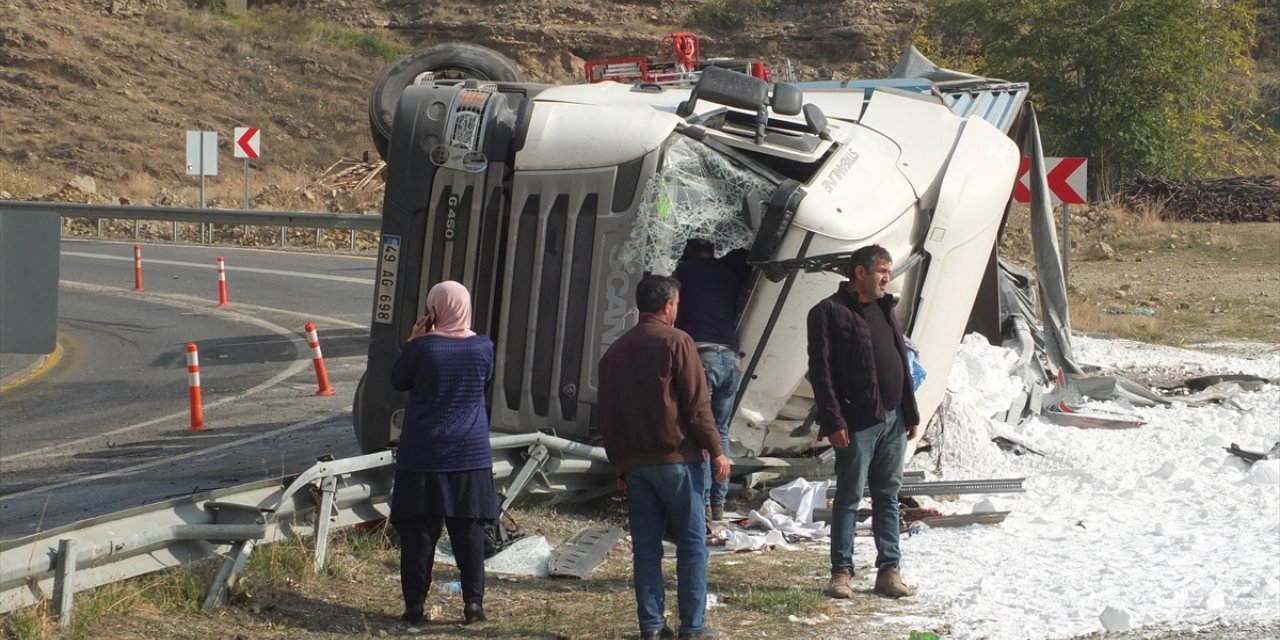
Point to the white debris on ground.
(697, 193)
(1117, 529)
(528, 556)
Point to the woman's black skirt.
(461, 494)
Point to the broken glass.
(696, 193)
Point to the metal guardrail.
(54, 565)
(57, 563)
(347, 221)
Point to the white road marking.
(169, 459)
(190, 303)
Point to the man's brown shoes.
(838, 586)
(889, 583)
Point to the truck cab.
(551, 202)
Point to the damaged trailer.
(550, 202)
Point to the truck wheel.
(448, 61)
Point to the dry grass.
(1203, 281)
(358, 595)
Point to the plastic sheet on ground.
(801, 496)
(789, 510)
(527, 556)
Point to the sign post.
(248, 142)
(202, 156)
(1068, 185)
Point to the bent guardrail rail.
(159, 536)
(55, 564)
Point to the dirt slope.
(107, 88)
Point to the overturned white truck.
(550, 202)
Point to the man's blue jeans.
(723, 380)
(874, 456)
(658, 495)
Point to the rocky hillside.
(106, 88)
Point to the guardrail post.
(228, 574)
(65, 581)
(328, 487)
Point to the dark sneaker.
(705, 633)
(473, 612)
(889, 583)
(839, 585)
(665, 633)
(412, 616)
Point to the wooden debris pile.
(354, 175)
(1242, 199)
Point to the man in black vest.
(708, 313)
(867, 410)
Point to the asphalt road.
(107, 427)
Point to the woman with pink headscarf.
(444, 466)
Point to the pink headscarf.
(450, 303)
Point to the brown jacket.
(652, 403)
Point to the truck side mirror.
(787, 99)
(729, 88)
(817, 121)
(751, 209)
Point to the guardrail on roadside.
(57, 563)
(351, 222)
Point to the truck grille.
(539, 292)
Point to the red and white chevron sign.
(247, 141)
(1067, 177)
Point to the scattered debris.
(353, 175)
(1253, 456)
(581, 554)
(1116, 619)
(1014, 447)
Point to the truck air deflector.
(553, 253)
(575, 326)
(489, 254)
(748, 376)
(526, 225)
(627, 184)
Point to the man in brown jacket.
(658, 430)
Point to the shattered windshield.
(696, 193)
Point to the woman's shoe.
(473, 612)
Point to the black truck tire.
(453, 60)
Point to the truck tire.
(453, 60)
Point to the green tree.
(1134, 85)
